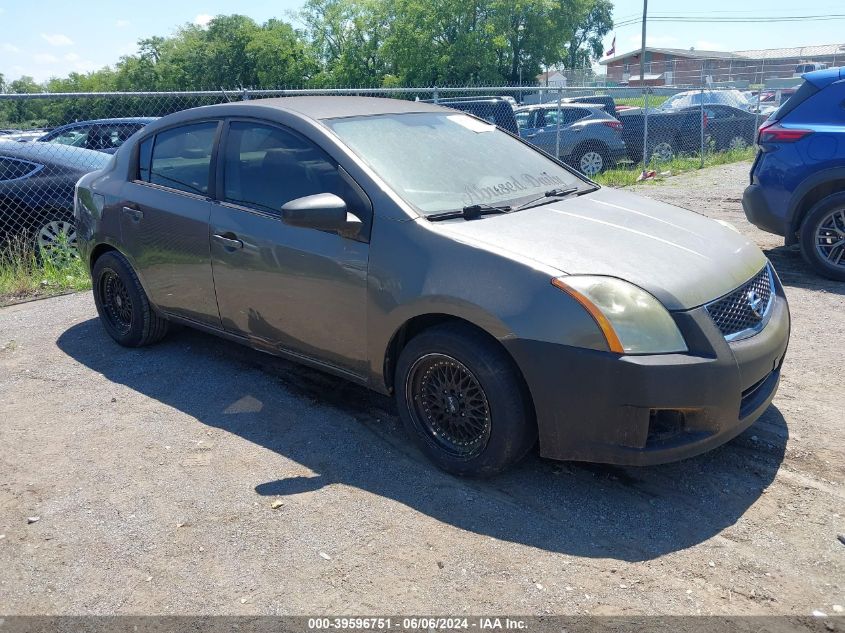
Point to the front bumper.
(760, 213)
(640, 410)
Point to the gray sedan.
(419, 251)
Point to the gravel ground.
(197, 476)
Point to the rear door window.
(180, 158)
(568, 116)
(110, 136)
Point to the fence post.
(557, 133)
(702, 121)
(645, 128)
(436, 96)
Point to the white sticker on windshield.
(471, 123)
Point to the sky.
(44, 38)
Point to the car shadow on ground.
(794, 272)
(347, 435)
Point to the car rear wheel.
(56, 241)
(591, 161)
(463, 401)
(823, 237)
(122, 304)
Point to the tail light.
(616, 125)
(774, 132)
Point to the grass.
(654, 101)
(26, 275)
(626, 176)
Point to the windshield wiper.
(553, 194)
(470, 212)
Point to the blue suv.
(798, 178)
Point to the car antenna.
(228, 100)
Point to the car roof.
(553, 106)
(130, 119)
(51, 153)
(334, 107)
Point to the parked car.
(684, 100)
(590, 138)
(499, 294)
(36, 191)
(808, 67)
(726, 127)
(607, 102)
(23, 136)
(102, 135)
(798, 177)
(669, 133)
(495, 110)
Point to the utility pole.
(645, 93)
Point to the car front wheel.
(122, 304)
(823, 237)
(463, 401)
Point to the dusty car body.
(615, 328)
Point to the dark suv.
(798, 178)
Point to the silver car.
(590, 138)
(422, 252)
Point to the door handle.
(136, 214)
(228, 242)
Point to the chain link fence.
(48, 141)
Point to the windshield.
(708, 97)
(441, 162)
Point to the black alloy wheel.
(449, 404)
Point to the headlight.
(632, 320)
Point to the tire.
(483, 382)
(662, 151)
(737, 143)
(591, 159)
(122, 304)
(55, 240)
(822, 237)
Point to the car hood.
(683, 258)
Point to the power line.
(730, 20)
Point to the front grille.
(744, 311)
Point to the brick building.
(691, 67)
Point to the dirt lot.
(153, 473)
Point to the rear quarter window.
(804, 92)
(15, 169)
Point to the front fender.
(416, 272)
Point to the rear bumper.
(641, 410)
(760, 213)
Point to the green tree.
(586, 43)
(280, 56)
(346, 39)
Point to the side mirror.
(323, 211)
